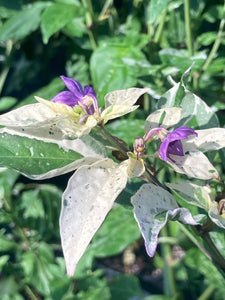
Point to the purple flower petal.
(172, 145)
(74, 86)
(66, 98)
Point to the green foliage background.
(110, 45)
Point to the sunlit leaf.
(124, 97)
(89, 196)
(194, 164)
(192, 193)
(115, 111)
(165, 117)
(207, 140)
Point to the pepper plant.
(69, 133)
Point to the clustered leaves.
(56, 137)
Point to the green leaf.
(23, 22)
(7, 102)
(55, 17)
(89, 196)
(155, 8)
(115, 67)
(126, 287)
(108, 242)
(34, 208)
(33, 157)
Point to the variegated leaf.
(135, 168)
(192, 193)
(89, 196)
(116, 111)
(214, 215)
(165, 117)
(150, 202)
(126, 97)
(207, 140)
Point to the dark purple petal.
(90, 92)
(66, 98)
(175, 148)
(74, 86)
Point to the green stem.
(90, 22)
(213, 51)
(214, 251)
(160, 27)
(169, 283)
(194, 240)
(213, 255)
(207, 293)
(9, 46)
(188, 26)
(106, 6)
(114, 142)
(30, 293)
(216, 45)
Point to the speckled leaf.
(34, 157)
(86, 146)
(165, 117)
(153, 206)
(194, 164)
(214, 215)
(207, 140)
(192, 193)
(124, 97)
(89, 196)
(115, 111)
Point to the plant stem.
(106, 6)
(169, 283)
(216, 44)
(207, 293)
(90, 22)
(9, 46)
(213, 255)
(214, 251)
(114, 142)
(160, 27)
(213, 51)
(188, 26)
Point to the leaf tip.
(70, 269)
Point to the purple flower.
(172, 145)
(77, 95)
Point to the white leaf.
(89, 196)
(150, 201)
(207, 140)
(135, 168)
(194, 164)
(124, 97)
(116, 111)
(192, 193)
(170, 116)
(29, 115)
